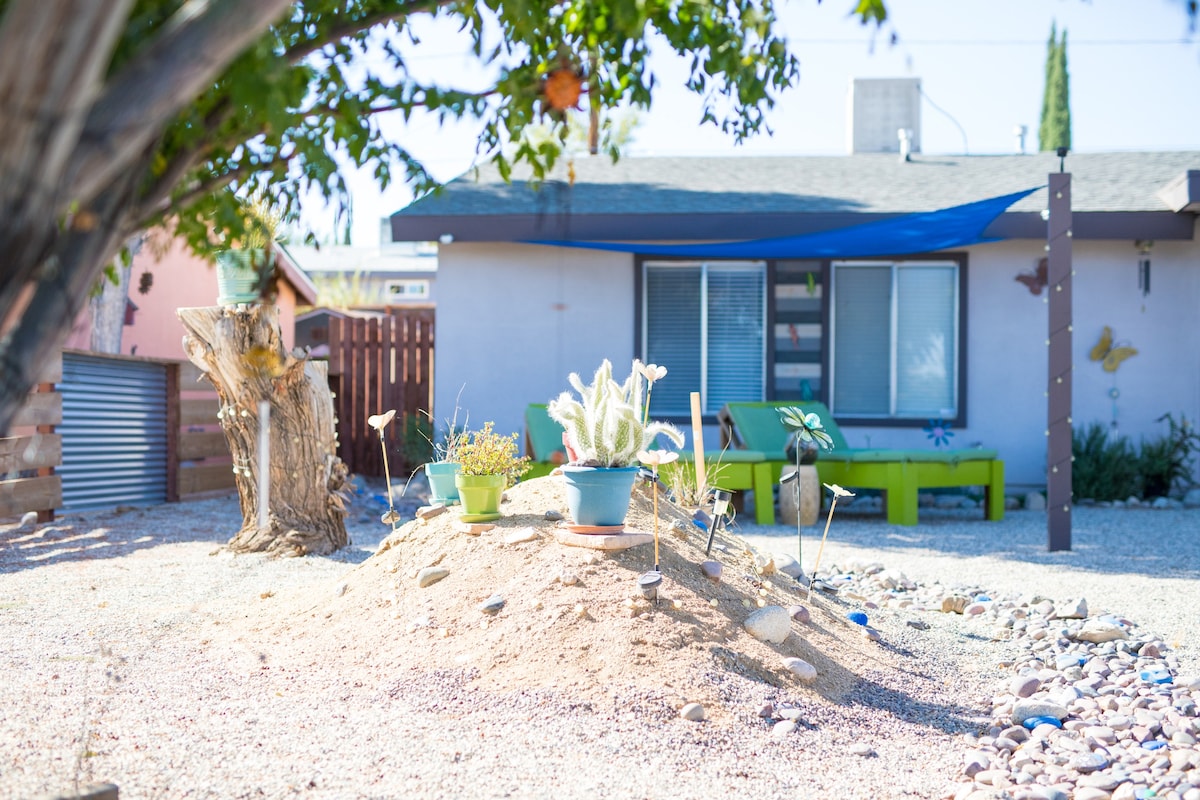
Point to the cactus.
(607, 426)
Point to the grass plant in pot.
(441, 471)
(488, 464)
(605, 428)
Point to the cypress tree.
(1055, 128)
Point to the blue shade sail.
(925, 232)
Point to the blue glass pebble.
(857, 617)
(982, 598)
(1154, 744)
(1033, 722)
(1155, 676)
(700, 525)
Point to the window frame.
(960, 261)
(642, 262)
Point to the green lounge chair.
(899, 473)
(543, 442)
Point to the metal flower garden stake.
(379, 422)
(837, 492)
(807, 429)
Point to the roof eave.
(1157, 225)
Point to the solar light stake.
(837, 492)
(720, 508)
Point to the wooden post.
(1058, 393)
(698, 445)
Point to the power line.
(1005, 42)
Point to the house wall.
(503, 337)
(181, 280)
(1006, 350)
(514, 320)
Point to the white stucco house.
(888, 340)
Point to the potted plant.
(241, 270)
(488, 464)
(605, 429)
(444, 466)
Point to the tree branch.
(170, 73)
(305, 49)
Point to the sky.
(1134, 69)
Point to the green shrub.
(414, 447)
(1104, 467)
(1167, 462)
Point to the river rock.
(553, 515)
(1034, 501)
(692, 712)
(803, 670)
(787, 565)
(492, 605)
(1098, 631)
(764, 563)
(520, 535)
(1036, 707)
(1074, 609)
(1024, 685)
(711, 570)
(769, 624)
(800, 614)
(431, 575)
(28, 521)
(431, 511)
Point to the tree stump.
(240, 351)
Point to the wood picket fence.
(376, 365)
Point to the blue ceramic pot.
(599, 496)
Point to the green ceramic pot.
(480, 496)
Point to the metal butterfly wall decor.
(1111, 356)
(1035, 281)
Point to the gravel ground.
(117, 671)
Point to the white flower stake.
(654, 459)
(837, 492)
(652, 373)
(379, 422)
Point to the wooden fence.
(199, 453)
(28, 457)
(376, 365)
(197, 463)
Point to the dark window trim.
(960, 420)
(769, 391)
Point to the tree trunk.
(108, 310)
(241, 352)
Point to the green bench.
(899, 473)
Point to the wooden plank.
(40, 409)
(172, 388)
(51, 371)
(205, 478)
(30, 452)
(202, 445)
(199, 411)
(30, 494)
(336, 339)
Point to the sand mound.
(574, 620)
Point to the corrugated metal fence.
(114, 432)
